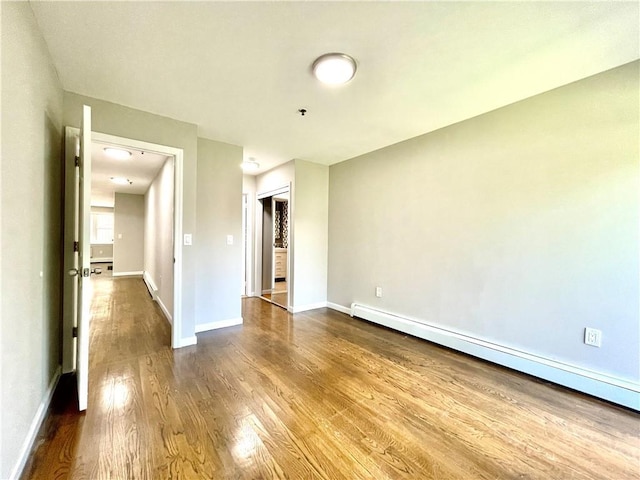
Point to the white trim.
(36, 423)
(271, 193)
(101, 259)
(231, 322)
(187, 341)
(309, 306)
(127, 274)
(151, 286)
(339, 308)
(165, 310)
(613, 389)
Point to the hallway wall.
(31, 235)
(219, 214)
(158, 235)
(128, 230)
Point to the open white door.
(82, 270)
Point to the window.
(101, 227)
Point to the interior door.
(82, 270)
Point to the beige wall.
(31, 219)
(128, 231)
(219, 213)
(158, 234)
(518, 227)
(311, 234)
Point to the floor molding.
(310, 306)
(231, 322)
(36, 423)
(127, 274)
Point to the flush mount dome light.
(117, 153)
(121, 181)
(250, 165)
(334, 68)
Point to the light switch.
(188, 239)
(229, 239)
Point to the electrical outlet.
(379, 292)
(593, 337)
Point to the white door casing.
(83, 257)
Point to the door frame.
(68, 343)
(258, 243)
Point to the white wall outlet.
(188, 239)
(593, 337)
(379, 292)
(229, 239)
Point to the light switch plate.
(229, 239)
(188, 239)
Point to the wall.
(158, 236)
(128, 230)
(518, 227)
(126, 122)
(311, 235)
(102, 252)
(30, 241)
(219, 214)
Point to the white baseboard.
(612, 389)
(127, 274)
(339, 308)
(266, 292)
(310, 306)
(231, 322)
(187, 341)
(36, 423)
(165, 310)
(101, 259)
(151, 286)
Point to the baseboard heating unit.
(616, 390)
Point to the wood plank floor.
(316, 395)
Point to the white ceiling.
(241, 70)
(141, 168)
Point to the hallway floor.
(315, 395)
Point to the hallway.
(318, 395)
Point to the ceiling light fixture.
(117, 153)
(250, 165)
(334, 68)
(121, 181)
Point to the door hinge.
(77, 159)
(74, 332)
(76, 246)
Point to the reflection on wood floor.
(315, 395)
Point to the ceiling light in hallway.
(117, 153)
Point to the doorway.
(172, 304)
(274, 248)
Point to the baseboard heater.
(616, 390)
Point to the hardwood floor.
(314, 395)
